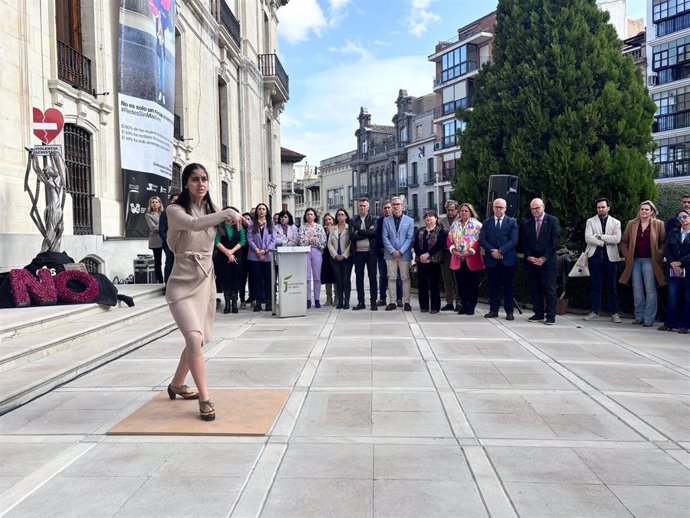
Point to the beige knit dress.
(190, 291)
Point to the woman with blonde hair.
(465, 259)
(642, 246)
(153, 217)
(327, 274)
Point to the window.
(402, 175)
(430, 166)
(73, 67)
(430, 200)
(458, 62)
(224, 193)
(363, 181)
(418, 132)
(403, 134)
(450, 133)
(413, 180)
(79, 184)
(223, 119)
(176, 180)
(415, 207)
(334, 198)
(178, 109)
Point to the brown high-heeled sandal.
(183, 391)
(207, 411)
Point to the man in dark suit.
(542, 234)
(499, 238)
(363, 239)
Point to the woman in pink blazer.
(465, 259)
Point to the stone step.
(28, 380)
(23, 321)
(50, 339)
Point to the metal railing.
(73, 67)
(671, 121)
(228, 20)
(270, 65)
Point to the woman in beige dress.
(192, 222)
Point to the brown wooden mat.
(238, 412)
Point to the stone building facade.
(230, 89)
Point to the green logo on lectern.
(285, 282)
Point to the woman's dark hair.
(347, 216)
(184, 200)
(291, 220)
(316, 215)
(269, 219)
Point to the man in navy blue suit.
(499, 238)
(542, 235)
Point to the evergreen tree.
(564, 110)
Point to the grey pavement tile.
(343, 373)
(128, 373)
(510, 426)
(404, 349)
(372, 330)
(253, 373)
(338, 351)
(427, 498)
(550, 334)
(624, 378)
(183, 495)
(210, 460)
(676, 427)
(629, 467)
(78, 497)
(590, 351)
(400, 373)
(474, 375)
(120, 459)
(540, 465)
(338, 461)
(21, 459)
(8, 482)
(654, 501)
(98, 400)
(590, 427)
(420, 462)
(544, 500)
(406, 402)
(410, 424)
(282, 347)
(319, 498)
(478, 403)
(563, 404)
(335, 414)
(63, 422)
(464, 329)
(655, 405)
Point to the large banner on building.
(146, 88)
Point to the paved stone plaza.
(391, 414)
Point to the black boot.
(226, 309)
(233, 302)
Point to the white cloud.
(351, 47)
(300, 18)
(419, 17)
(330, 101)
(382, 43)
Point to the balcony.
(451, 107)
(430, 178)
(674, 73)
(677, 169)
(450, 141)
(671, 121)
(276, 81)
(73, 68)
(227, 20)
(449, 174)
(414, 182)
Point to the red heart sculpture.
(48, 125)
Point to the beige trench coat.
(657, 239)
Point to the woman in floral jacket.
(465, 259)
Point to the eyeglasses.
(396, 203)
(681, 218)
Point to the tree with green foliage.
(564, 110)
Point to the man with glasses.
(452, 296)
(387, 210)
(542, 234)
(398, 233)
(602, 234)
(499, 238)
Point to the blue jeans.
(644, 289)
(678, 307)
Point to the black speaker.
(504, 186)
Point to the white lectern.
(291, 285)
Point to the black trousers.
(260, 281)
(428, 281)
(169, 261)
(501, 280)
(368, 259)
(542, 284)
(343, 285)
(467, 282)
(157, 263)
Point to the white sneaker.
(615, 318)
(592, 316)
